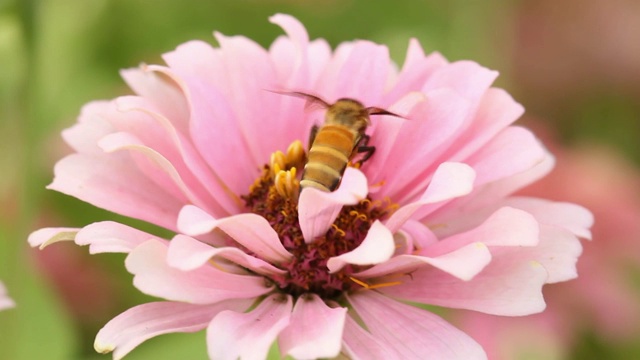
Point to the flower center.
(274, 195)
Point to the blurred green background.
(575, 65)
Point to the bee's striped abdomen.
(328, 157)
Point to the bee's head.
(350, 113)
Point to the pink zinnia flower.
(5, 300)
(426, 220)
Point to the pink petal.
(295, 69)
(224, 73)
(496, 111)
(147, 128)
(317, 210)
(250, 230)
(47, 236)
(512, 151)
(558, 252)
(417, 68)
(156, 166)
(465, 77)
(138, 324)
(214, 129)
(469, 211)
(384, 135)
(320, 51)
(449, 181)
(232, 335)
(314, 331)
(116, 184)
(412, 333)
(364, 73)
(186, 253)
(204, 285)
(243, 59)
(109, 236)
(180, 151)
(359, 344)
(165, 95)
(511, 285)
(91, 126)
(505, 227)
(214, 82)
(569, 216)
(416, 235)
(463, 263)
(377, 247)
(430, 124)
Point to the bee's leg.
(312, 135)
(364, 148)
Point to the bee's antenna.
(310, 99)
(372, 110)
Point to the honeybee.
(340, 138)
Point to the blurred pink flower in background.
(603, 299)
(5, 300)
(574, 47)
(428, 219)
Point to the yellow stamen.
(338, 230)
(277, 162)
(374, 286)
(286, 183)
(295, 155)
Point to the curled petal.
(450, 180)
(232, 335)
(505, 227)
(47, 236)
(109, 236)
(317, 210)
(251, 230)
(463, 263)
(315, 330)
(377, 247)
(572, 217)
(294, 29)
(129, 329)
(83, 136)
(186, 253)
(163, 94)
(204, 285)
(421, 332)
